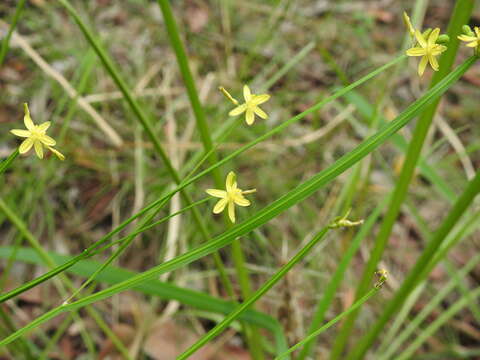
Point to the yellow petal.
(473, 44)
(231, 211)
(408, 23)
(467, 38)
(43, 127)
(38, 148)
(260, 99)
(260, 112)
(27, 120)
(238, 110)
(432, 38)
(246, 93)
(420, 38)
(230, 182)
(422, 65)
(47, 140)
(216, 193)
(438, 49)
(219, 206)
(477, 31)
(416, 51)
(25, 145)
(57, 153)
(433, 62)
(249, 116)
(21, 133)
(241, 201)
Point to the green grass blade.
(334, 283)
(255, 296)
(114, 275)
(252, 334)
(427, 310)
(293, 197)
(5, 164)
(13, 25)
(435, 325)
(332, 322)
(460, 206)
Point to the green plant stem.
(420, 267)
(5, 164)
(336, 319)
(256, 295)
(262, 216)
(163, 290)
(461, 14)
(428, 309)
(439, 321)
(13, 25)
(140, 115)
(237, 253)
(335, 281)
(48, 261)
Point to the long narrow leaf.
(263, 216)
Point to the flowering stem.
(256, 295)
(332, 322)
(5, 164)
(182, 60)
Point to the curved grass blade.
(5, 164)
(113, 275)
(156, 203)
(6, 39)
(267, 213)
(255, 296)
(420, 267)
(336, 319)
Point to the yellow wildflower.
(250, 107)
(428, 49)
(473, 40)
(231, 196)
(35, 136)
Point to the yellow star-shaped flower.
(250, 107)
(473, 41)
(428, 49)
(229, 197)
(35, 136)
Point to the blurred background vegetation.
(297, 51)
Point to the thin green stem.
(141, 116)
(332, 322)
(422, 264)
(460, 16)
(13, 25)
(332, 287)
(237, 253)
(256, 295)
(5, 164)
(20, 225)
